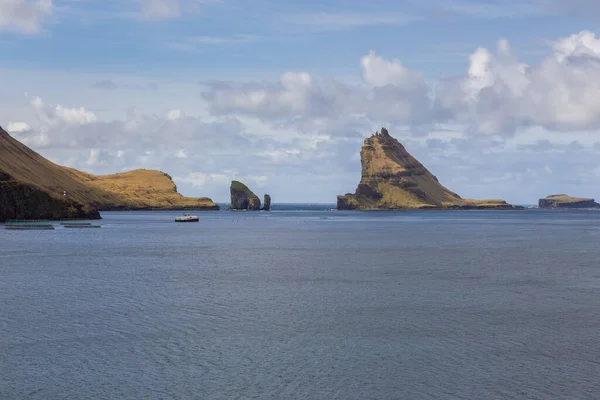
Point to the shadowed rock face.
(565, 201)
(243, 198)
(393, 179)
(22, 201)
(139, 189)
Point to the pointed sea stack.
(393, 179)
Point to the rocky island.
(31, 187)
(565, 201)
(242, 198)
(393, 179)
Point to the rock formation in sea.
(267, 203)
(393, 179)
(242, 198)
(55, 191)
(565, 201)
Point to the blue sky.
(497, 98)
(256, 37)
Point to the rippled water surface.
(304, 305)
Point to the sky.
(498, 99)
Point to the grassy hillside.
(138, 189)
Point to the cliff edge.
(565, 201)
(393, 179)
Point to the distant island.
(393, 179)
(242, 198)
(565, 201)
(31, 187)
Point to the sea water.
(304, 304)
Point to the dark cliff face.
(243, 198)
(267, 203)
(564, 201)
(22, 201)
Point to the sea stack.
(242, 198)
(565, 201)
(267, 203)
(393, 179)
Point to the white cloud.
(390, 92)
(561, 92)
(74, 115)
(295, 94)
(62, 115)
(201, 179)
(174, 114)
(377, 72)
(582, 44)
(18, 127)
(24, 16)
(498, 94)
(93, 158)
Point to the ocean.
(304, 303)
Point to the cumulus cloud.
(376, 71)
(397, 94)
(18, 127)
(58, 114)
(500, 94)
(390, 91)
(201, 179)
(24, 16)
(296, 94)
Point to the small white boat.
(187, 218)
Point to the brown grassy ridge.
(132, 190)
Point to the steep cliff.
(139, 189)
(393, 179)
(243, 198)
(565, 201)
